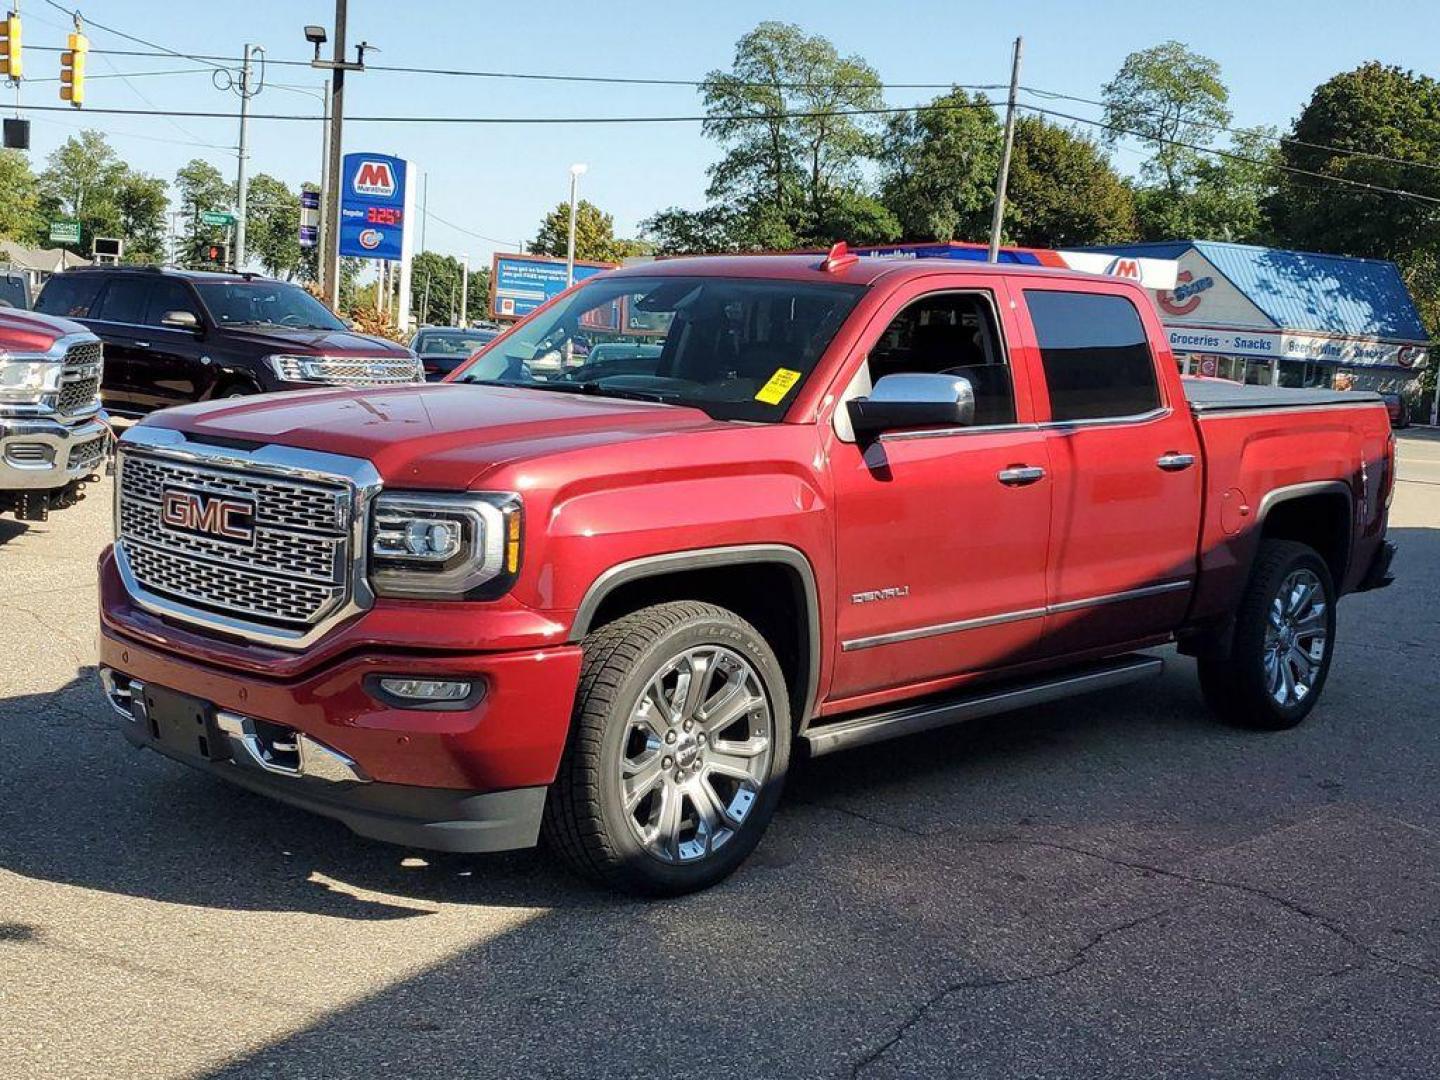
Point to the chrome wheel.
(695, 753)
(1296, 638)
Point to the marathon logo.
(214, 517)
(375, 179)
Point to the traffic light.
(72, 70)
(11, 60)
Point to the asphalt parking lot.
(1109, 887)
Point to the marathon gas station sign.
(376, 205)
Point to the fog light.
(423, 690)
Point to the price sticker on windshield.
(774, 391)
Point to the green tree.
(200, 187)
(19, 198)
(938, 168)
(142, 203)
(1167, 95)
(1376, 110)
(1063, 191)
(435, 289)
(594, 234)
(80, 181)
(1226, 199)
(781, 114)
(272, 224)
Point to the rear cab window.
(69, 295)
(1095, 355)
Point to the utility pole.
(240, 192)
(998, 221)
(332, 172)
(464, 290)
(322, 226)
(576, 171)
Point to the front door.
(941, 538)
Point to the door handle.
(1020, 475)
(1173, 462)
(142, 344)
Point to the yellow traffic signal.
(11, 61)
(72, 70)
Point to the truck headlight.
(445, 547)
(24, 379)
(298, 368)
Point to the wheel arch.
(1319, 514)
(692, 574)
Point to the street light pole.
(332, 171)
(576, 171)
(322, 226)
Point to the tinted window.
(69, 295)
(1096, 357)
(124, 300)
(168, 295)
(266, 303)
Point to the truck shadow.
(10, 529)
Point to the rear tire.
(677, 754)
(1279, 656)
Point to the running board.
(986, 701)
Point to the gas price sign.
(373, 206)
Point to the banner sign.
(521, 283)
(1320, 348)
(373, 190)
(309, 218)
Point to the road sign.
(373, 200)
(64, 232)
(216, 217)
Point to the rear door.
(1125, 467)
(940, 540)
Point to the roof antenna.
(840, 257)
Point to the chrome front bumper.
(42, 455)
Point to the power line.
(1284, 140)
(470, 232)
(130, 74)
(75, 14)
(504, 120)
(1231, 155)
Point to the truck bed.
(1221, 395)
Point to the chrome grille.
(369, 371)
(88, 455)
(80, 378)
(293, 576)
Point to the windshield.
(737, 348)
(452, 342)
(266, 303)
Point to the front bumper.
(44, 455)
(437, 819)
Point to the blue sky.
(497, 181)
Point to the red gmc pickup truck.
(845, 500)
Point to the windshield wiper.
(588, 389)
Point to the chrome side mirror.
(180, 320)
(913, 400)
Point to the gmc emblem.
(214, 516)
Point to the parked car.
(175, 336)
(851, 500)
(444, 348)
(1399, 410)
(14, 290)
(53, 435)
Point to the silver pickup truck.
(53, 436)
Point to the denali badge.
(895, 592)
(213, 516)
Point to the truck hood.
(441, 436)
(26, 331)
(315, 342)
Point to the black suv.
(173, 336)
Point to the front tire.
(677, 753)
(1284, 638)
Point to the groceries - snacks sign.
(374, 206)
